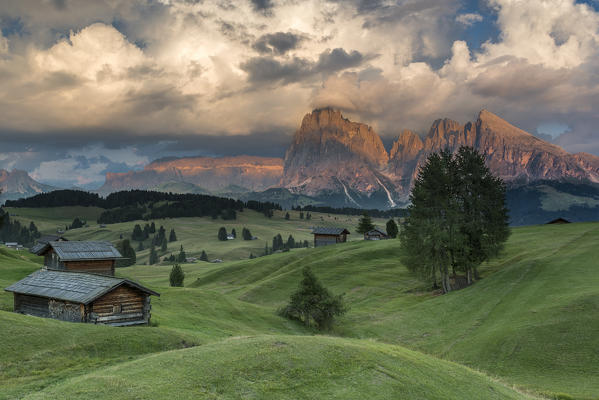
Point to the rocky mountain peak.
(326, 128)
(407, 146)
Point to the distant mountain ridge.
(334, 161)
(17, 184)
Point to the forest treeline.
(134, 205)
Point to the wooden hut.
(94, 257)
(82, 297)
(326, 236)
(376, 234)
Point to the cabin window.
(117, 308)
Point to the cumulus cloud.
(118, 73)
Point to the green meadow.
(528, 329)
(195, 234)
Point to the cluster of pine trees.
(457, 219)
(13, 231)
(279, 244)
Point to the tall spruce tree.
(182, 256)
(177, 276)
(392, 229)
(365, 224)
(137, 233)
(172, 237)
(129, 256)
(153, 256)
(222, 234)
(164, 246)
(457, 217)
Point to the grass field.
(195, 234)
(530, 323)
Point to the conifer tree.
(222, 234)
(137, 233)
(290, 242)
(365, 224)
(172, 237)
(164, 247)
(153, 256)
(152, 228)
(312, 302)
(287, 216)
(203, 256)
(392, 229)
(246, 234)
(129, 256)
(177, 276)
(182, 256)
(234, 233)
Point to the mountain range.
(334, 161)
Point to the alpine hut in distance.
(93, 257)
(82, 297)
(326, 236)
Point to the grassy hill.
(285, 367)
(530, 322)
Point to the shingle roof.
(69, 251)
(375, 230)
(329, 231)
(75, 287)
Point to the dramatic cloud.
(217, 77)
(277, 43)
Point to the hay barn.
(93, 257)
(82, 297)
(327, 236)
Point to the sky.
(89, 87)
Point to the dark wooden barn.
(376, 234)
(82, 297)
(326, 236)
(558, 221)
(94, 257)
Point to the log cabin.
(376, 234)
(82, 297)
(93, 257)
(327, 236)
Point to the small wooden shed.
(88, 256)
(326, 236)
(376, 234)
(82, 297)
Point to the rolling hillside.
(529, 323)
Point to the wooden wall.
(324, 240)
(105, 267)
(124, 305)
(31, 305)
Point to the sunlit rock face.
(332, 156)
(214, 174)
